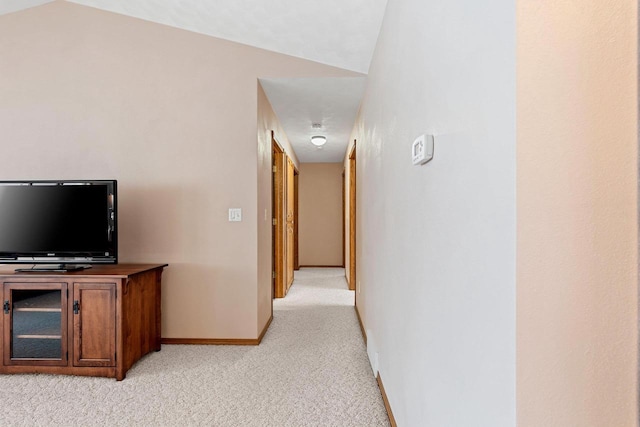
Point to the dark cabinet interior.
(35, 323)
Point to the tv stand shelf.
(96, 322)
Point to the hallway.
(325, 374)
(310, 370)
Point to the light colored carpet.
(310, 370)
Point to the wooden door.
(290, 209)
(94, 324)
(35, 324)
(296, 246)
(352, 218)
(277, 209)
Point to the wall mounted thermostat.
(422, 149)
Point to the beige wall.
(577, 262)
(320, 214)
(173, 116)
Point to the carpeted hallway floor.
(310, 370)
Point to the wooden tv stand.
(96, 322)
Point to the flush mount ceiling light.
(318, 141)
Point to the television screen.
(63, 221)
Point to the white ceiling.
(8, 6)
(340, 33)
(332, 102)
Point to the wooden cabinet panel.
(94, 324)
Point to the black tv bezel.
(70, 257)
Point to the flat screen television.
(66, 225)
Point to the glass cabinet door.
(35, 318)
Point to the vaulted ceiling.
(340, 33)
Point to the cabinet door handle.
(76, 307)
(6, 306)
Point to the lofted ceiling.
(340, 33)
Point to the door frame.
(277, 205)
(296, 253)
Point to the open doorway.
(284, 221)
(351, 278)
(290, 209)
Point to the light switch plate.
(235, 214)
(422, 149)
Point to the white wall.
(436, 248)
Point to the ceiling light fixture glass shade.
(318, 141)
